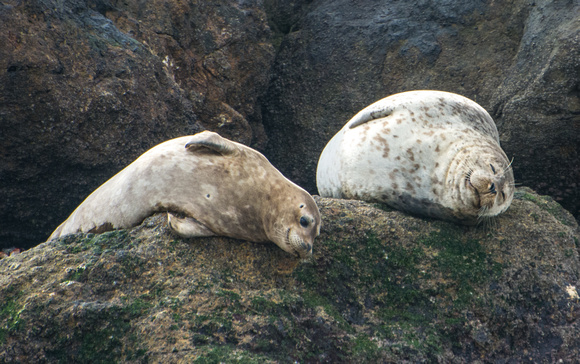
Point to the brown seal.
(430, 153)
(210, 186)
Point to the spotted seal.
(210, 186)
(430, 153)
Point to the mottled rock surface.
(537, 105)
(382, 286)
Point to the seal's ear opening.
(211, 141)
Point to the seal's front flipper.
(188, 227)
(378, 110)
(212, 142)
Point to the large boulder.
(537, 105)
(518, 59)
(85, 89)
(381, 286)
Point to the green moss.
(218, 326)
(103, 336)
(137, 307)
(228, 295)
(465, 263)
(521, 195)
(77, 275)
(385, 273)
(99, 243)
(364, 350)
(263, 305)
(408, 287)
(548, 204)
(313, 300)
(383, 206)
(116, 243)
(174, 245)
(10, 311)
(283, 321)
(101, 346)
(228, 354)
(218, 323)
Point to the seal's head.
(294, 227)
(492, 185)
(242, 195)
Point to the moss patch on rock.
(381, 286)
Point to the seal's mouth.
(490, 196)
(298, 247)
(484, 189)
(302, 250)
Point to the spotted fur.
(430, 153)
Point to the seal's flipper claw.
(188, 227)
(211, 141)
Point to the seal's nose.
(305, 250)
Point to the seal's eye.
(492, 187)
(303, 221)
(493, 169)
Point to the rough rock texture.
(381, 287)
(84, 90)
(520, 60)
(537, 106)
(218, 51)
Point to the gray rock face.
(80, 99)
(537, 106)
(381, 287)
(519, 60)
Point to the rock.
(382, 286)
(218, 52)
(518, 60)
(85, 89)
(537, 106)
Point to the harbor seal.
(210, 186)
(429, 153)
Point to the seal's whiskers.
(508, 166)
